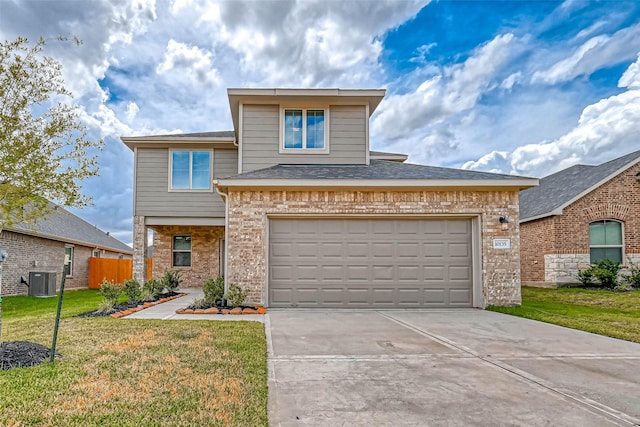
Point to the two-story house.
(294, 207)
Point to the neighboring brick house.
(59, 242)
(298, 211)
(580, 215)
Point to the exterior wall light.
(505, 223)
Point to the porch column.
(140, 244)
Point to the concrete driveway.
(445, 367)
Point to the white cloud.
(511, 80)
(193, 62)
(455, 90)
(595, 53)
(132, 110)
(611, 125)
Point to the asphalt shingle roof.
(562, 187)
(64, 225)
(377, 169)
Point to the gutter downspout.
(225, 198)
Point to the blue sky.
(517, 87)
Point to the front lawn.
(615, 314)
(132, 372)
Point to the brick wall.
(249, 210)
(205, 252)
(32, 254)
(568, 234)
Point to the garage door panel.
(370, 263)
(460, 296)
(433, 250)
(357, 250)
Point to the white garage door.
(370, 263)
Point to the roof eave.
(149, 141)
(554, 212)
(35, 233)
(432, 184)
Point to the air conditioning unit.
(42, 284)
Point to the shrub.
(105, 306)
(133, 290)
(235, 296)
(631, 280)
(586, 276)
(199, 303)
(606, 272)
(111, 291)
(171, 280)
(145, 295)
(214, 290)
(154, 287)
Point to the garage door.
(370, 263)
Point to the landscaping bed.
(132, 307)
(22, 354)
(204, 308)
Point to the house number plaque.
(501, 243)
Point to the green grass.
(132, 372)
(614, 314)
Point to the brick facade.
(248, 224)
(32, 254)
(140, 244)
(556, 247)
(205, 252)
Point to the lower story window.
(68, 261)
(182, 251)
(605, 240)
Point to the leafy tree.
(44, 149)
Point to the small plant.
(632, 279)
(111, 291)
(235, 296)
(199, 303)
(586, 276)
(606, 272)
(214, 290)
(145, 295)
(171, 280)
(154, 286)
(133, 290)
(105, 306)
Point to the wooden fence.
(113, 270)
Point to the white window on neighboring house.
(605, 240)
(181, 251)
(304, 130)
(68, 261)
(190, 170)
(96, 254)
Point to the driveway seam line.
(599, 407)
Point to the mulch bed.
(217, 309)
(22, 354)
(129, 305)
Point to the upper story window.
(605, 240)
(190, 170)
(304, 130)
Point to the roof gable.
(562, 188)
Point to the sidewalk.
(167, 310)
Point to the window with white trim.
(605, 240)
(304, 130)
(190, 170)
(181, 249)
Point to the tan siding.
(260, 138)
(152, 178)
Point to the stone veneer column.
(140, 244)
